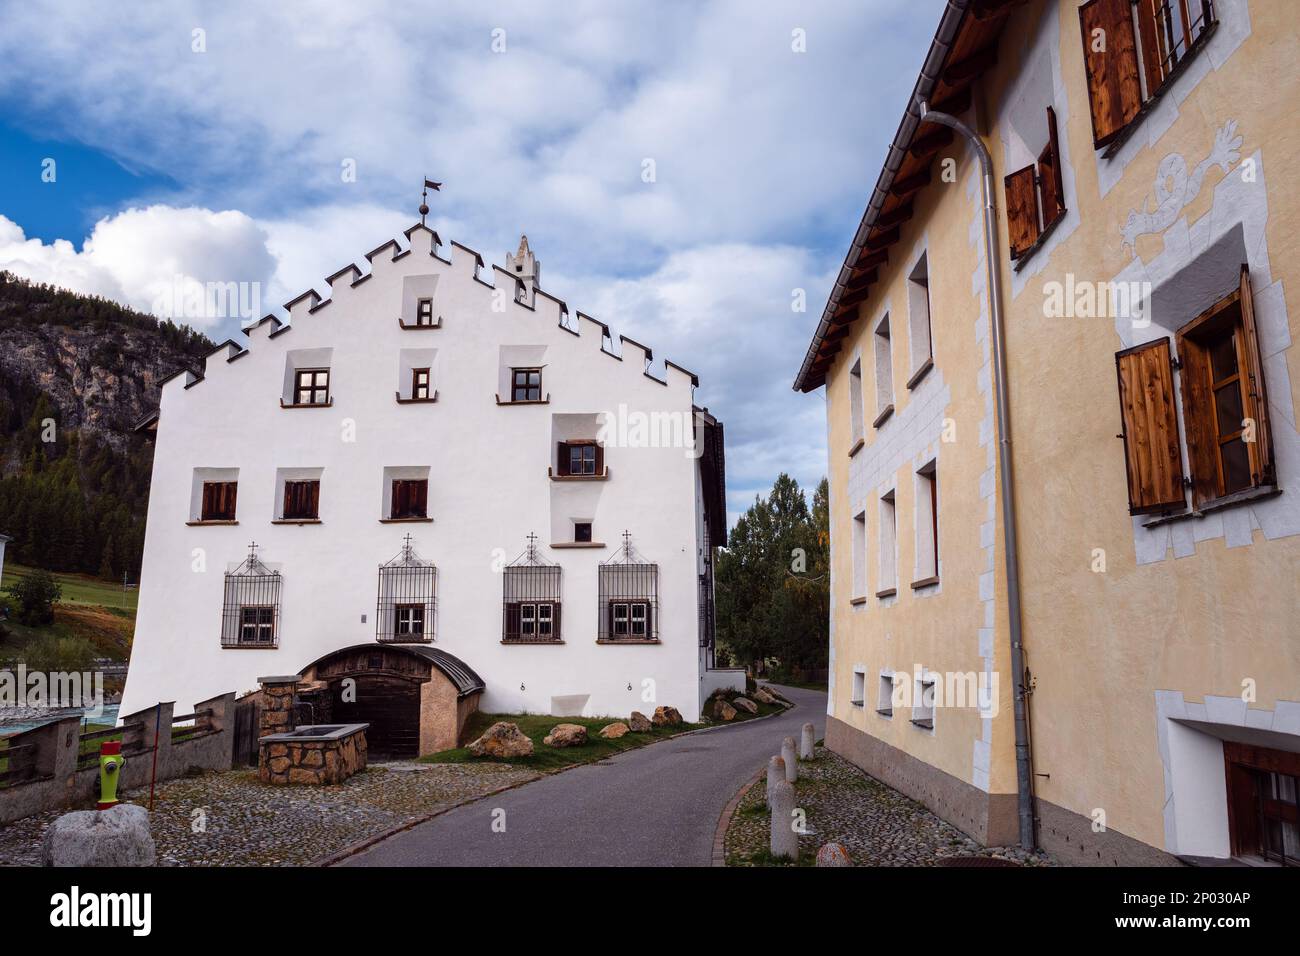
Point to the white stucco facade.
(488, 467)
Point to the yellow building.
(1146, 260)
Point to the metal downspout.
(1024, 759)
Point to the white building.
(561, 501)
(4, 539)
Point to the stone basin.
(316, 754)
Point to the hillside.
(91, 367)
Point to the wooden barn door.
(391, 706)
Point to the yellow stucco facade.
(1154, 641)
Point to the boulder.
(745, 704)
(666, 717)
(118, 836)
(615, 730)
(639, 722)
(763, 697)
(723, 711)
(566, 735)
(502, 739)
(833, 854)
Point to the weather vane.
(424, 198)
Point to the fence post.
(221, 720)
(775, 772)
(806, 740)
(791, 760)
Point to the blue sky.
(215, 143)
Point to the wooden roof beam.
(869, 260)
(910, 184)
(886, 238)
(930, 142)
(895, 216)
(966, 70)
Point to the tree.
(34, 596)
(773, 597)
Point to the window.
(311, 386)
(860, 556)
(923, 705)
(884, 374)
(859, 696)
(250, 607)
(419, 384)
(927, 526)
(918, 320)
(580, 459)
(302, 500)
(535, 620)
(410, 620)
(1263, 797)
(1225, 411)
(256, 625)
(885, 696)
(1131, 49)
(888, 547)
(1035, 196)
(855, 405)
(410, 498)
(582, 531)
(407, 603)
(628, 598)
(526, 385)
(219, 500)
(424, 312)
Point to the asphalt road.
(654, 806)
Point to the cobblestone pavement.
(876, 824)
(246, 822)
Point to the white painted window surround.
(888, 542)
(296, 474)
(408, 359)
(927, 552)
(885, 694)
(860, 555)
(859, 697)
(920, 344)
(884, 367)
(304, 358)
(856, 415)
(201, 476)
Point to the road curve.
(654, 806)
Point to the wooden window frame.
(527, 388)
(424, 312)
(415, 614)
(1035, 198)
(258, 626)
(310, 390)
(564, 452)
(410, 497)
(312, 504)
(421, 383)
(210, 508)
(1233, 315)
(578, 532)
(1140, 62)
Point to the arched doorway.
(414, 697)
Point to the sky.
(685, 172)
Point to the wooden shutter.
(209, 501)
(512, 620)
(600, 459)
(1152, 458)
(289, 489)
(562, 458)
(555, 621)
(1148, 34)
(1262, 466)
(1050, 185)
(313, 493)
(420, 499)
(1022, 210)
(1114, 91)
(1198, 412)
(401, 499)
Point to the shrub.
(51, 653)
(34, 596)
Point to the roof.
(964, 46)
(457, 671)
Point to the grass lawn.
(544, 758)
(98, 611)
(81, 589)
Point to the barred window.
(531, 597)
(406, 609)
(250, 614)
(628, 602)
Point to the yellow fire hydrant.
(110, 764)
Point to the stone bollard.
(784, 841)
(775, 772)
(114, 838)
(806, 740)
(791, 761)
